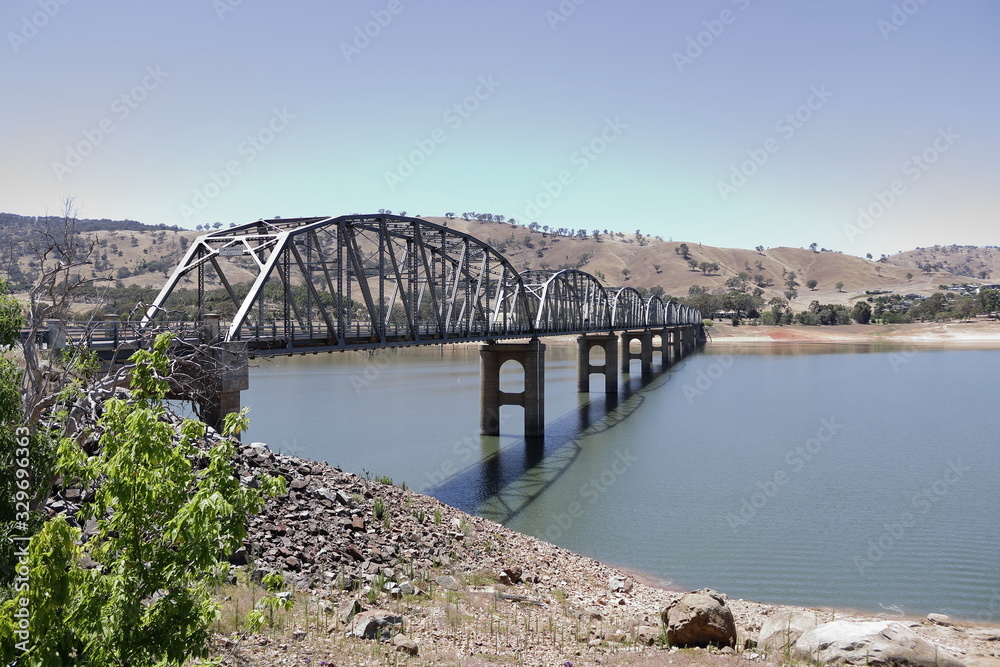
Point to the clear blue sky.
(727, 122)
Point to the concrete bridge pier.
(531, 356)
(609, 369)
(663, 349)
(676, 349)
(645, 353)
(225, 375)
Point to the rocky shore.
(394, 575)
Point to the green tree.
(862, 312)
(909, 276)
(839, 285)
(683, 251)
(811, 284)
(163, 526)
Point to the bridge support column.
(584, 369)
(663, 348)
(645, 354)
(675, 343)
(225, 376)
(531, 356)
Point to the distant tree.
(840, 285)
(985, 274)
(625, 273)
(862, 312)
(811, 283)
(693, 263)
(813, 246)
(759, 265)
(449, 215)
(656, 267)
(683, 251)
(868, 256)
(216, 225)
(909, 276)
(791, 294)
(760, 249)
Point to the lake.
(847, 476)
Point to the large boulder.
(375, 624)
(781, 630)
(869, 643)
(700, 618)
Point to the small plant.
(384, 479)
(379, 508)
(437, 516)
(419, 515)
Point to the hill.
(141, 257)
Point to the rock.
(374, 624)
(940, 619)
(298, 484)
(700, 618)
(239, 557)
(780, 631)
(647, 634)
(513, 574)
(349, 610)
(299, 635)
(619, 584)
(405, 645)
(447, 582)
(869, 643)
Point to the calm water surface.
(841, 476)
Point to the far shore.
(978, 333)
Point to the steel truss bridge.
(374, 281)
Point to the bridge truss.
(368, 281)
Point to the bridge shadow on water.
(505, 481)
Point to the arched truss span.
(380, 280)
(628, 309)
(567, 301)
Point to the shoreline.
(982, 334)
(335, 527)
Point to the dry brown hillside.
(611, 253)
(145, 258)
(963, 261)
